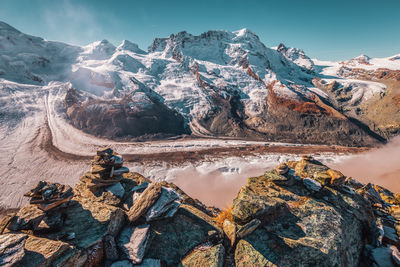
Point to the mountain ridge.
(218, 83)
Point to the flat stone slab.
(143, 203)
(133, 241)
(12, 248)
(117, 190)
(312, 184)
(166, 205)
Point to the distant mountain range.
(219, 84)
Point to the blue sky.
(331, 30)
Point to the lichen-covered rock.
(212, 257)
(165, 206)
(230, 229)
(281, 168)
(253, 201)
(150, 263)
(248, 228)
(29, 217)
(305, 168)
(312, 185)
(83, 190)
(322, 177)
(325, 228)
(337, 177)
(116, 189)
(277, 178)
(12, 248)
(140, 206)
(174, 238)
(133, 241)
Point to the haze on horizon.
(327, 30)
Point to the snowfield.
(183, 72)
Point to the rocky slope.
(220, 84)
(301, 212)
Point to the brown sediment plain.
(45, 142)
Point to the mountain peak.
(6, 27)
(127, 45)
(244, 33)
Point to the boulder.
(12, 249)
(395, 255)
(247, 255)
(27, 218)
(211, 256)
(84, 191)
(278, 178)
(307, 158)
(298, 227)
(281, 168)
(390, 236)
(150, 263)
(116, 189)
(106, 151)
(124, 263)
(382, 256)
(312, 185)
(110, 248)
(337, 177)
(248, 228)
(120, 171)
(306, 169)
(370, 193)
(166, 205)
(172, 239)
(322, 177)
(140, 206)
(133, 241)
(230, 229)
(253, 201)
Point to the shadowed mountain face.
(122, 119)
(220, 84)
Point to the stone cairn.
(106, 169)
(48, 196)
(282, 168)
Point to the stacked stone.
(47, 196)
(282, 168)
(106, 169)
(307, 158)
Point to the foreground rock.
(91, 227)
(317, 220)
(301, 213)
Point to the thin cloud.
(72, 23)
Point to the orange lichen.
(296, 204)
(224, 215)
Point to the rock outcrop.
(300, 213)
(108, 219)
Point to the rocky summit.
(301, 213)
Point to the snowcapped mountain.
(216, 84)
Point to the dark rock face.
(123, 118)
(286, 120)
